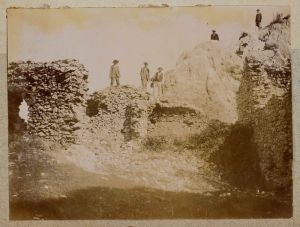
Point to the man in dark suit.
(214, 35)
(258, 18)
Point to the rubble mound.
(118, 114)
(207, 78)
(264, 99)
(55, 93)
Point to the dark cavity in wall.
(238, 158)
(158, 111)
(92, 108)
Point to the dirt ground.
(145, 203)
(61, 190)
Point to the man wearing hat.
(114, 73)
(145, 75)
(157, 82)
(258, 18)
(214, 35)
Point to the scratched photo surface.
(150, 113)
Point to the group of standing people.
(258, 19)
(156, 82)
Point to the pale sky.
(96, 36)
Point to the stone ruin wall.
(265, 104)
(59, 108)
(269, 112)
(55, 93)
(117, 115)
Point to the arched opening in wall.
(15, 122)
(23, 111)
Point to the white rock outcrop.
(207, 78)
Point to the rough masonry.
(55, 93)
(117, 115)
(264, 99)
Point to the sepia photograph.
(150, 113)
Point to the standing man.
(258, 19)
(214, 35)
(145, 75)
(157, 81)
(114, 73)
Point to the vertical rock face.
(55, 93)
(264, 99)
(207, 78)
(117, 115)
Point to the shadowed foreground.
(144, 203)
